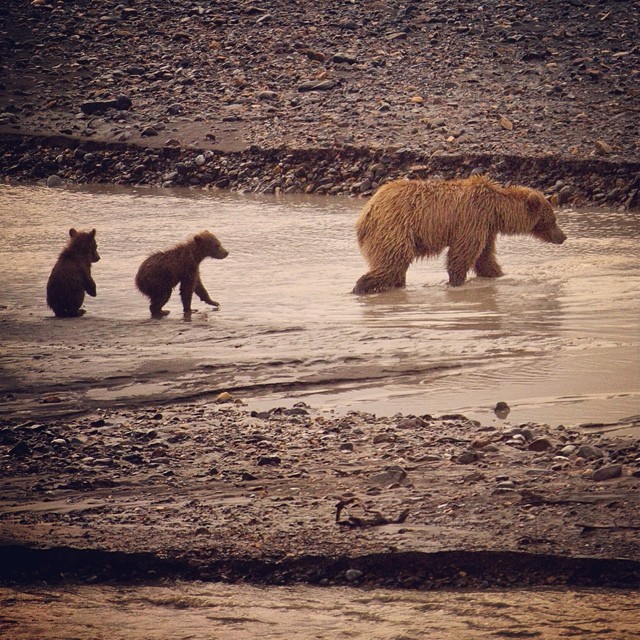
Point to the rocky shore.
(213, 491)
(333, 98)
(330, 98)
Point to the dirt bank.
(331, 97)
(214, 491)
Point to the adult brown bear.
(71, 275)
(162, 271)
(409, 219)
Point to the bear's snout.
(558, 236)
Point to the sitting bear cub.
(71, 275)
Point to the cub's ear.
(92, 233)
(73, 233)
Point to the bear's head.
(207, 245)
(83, 243)
(545, 225)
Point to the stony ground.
(290, 491)
(323, 97)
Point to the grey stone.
(607, 473)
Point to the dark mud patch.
(456, 569)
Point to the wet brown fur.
(162, 271)
(410, 219)
(71, 275)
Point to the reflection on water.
(557, 337)
(233, 612)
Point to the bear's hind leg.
(157, 302)
(486, 265)
(378, 280)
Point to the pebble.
(540, 444)
(589, 452)
(391, 475)
(467, 457)
(352, 575)
(54, 181)
(607, 472)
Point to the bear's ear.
(73, 233)
(92, 233)
(536, 203)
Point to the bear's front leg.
(89, 285)
(486, 265)
(202, 293)
(186, 293)
(461, 257)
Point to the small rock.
(340, 58)
(353, 574)
(603, 148)
(501, 409)
(20, 450)
(271, 461)
(564, 195)
(223, 397)
(540, 444)
(589, 452)
(149, 132)
(607, 473)
(410, 423)
(568, 450)
(505, 123)
(391, 475)
(316, 85)
(467, 457)
(267, 95)
(54, 181)
(123, 103)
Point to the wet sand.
(237, 612)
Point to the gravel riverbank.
(326, 98)
(214, 491)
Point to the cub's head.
(208, 245)
(545, 225)
(84, 243)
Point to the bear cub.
(71, 275)
(163, 270)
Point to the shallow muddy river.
(229, 612)
(557, 338)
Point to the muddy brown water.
(557, 338)
(232, 612)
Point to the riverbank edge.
(57, 160)
(20, 565)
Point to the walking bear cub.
(71, 275)
(410, 219)
(162, 271)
